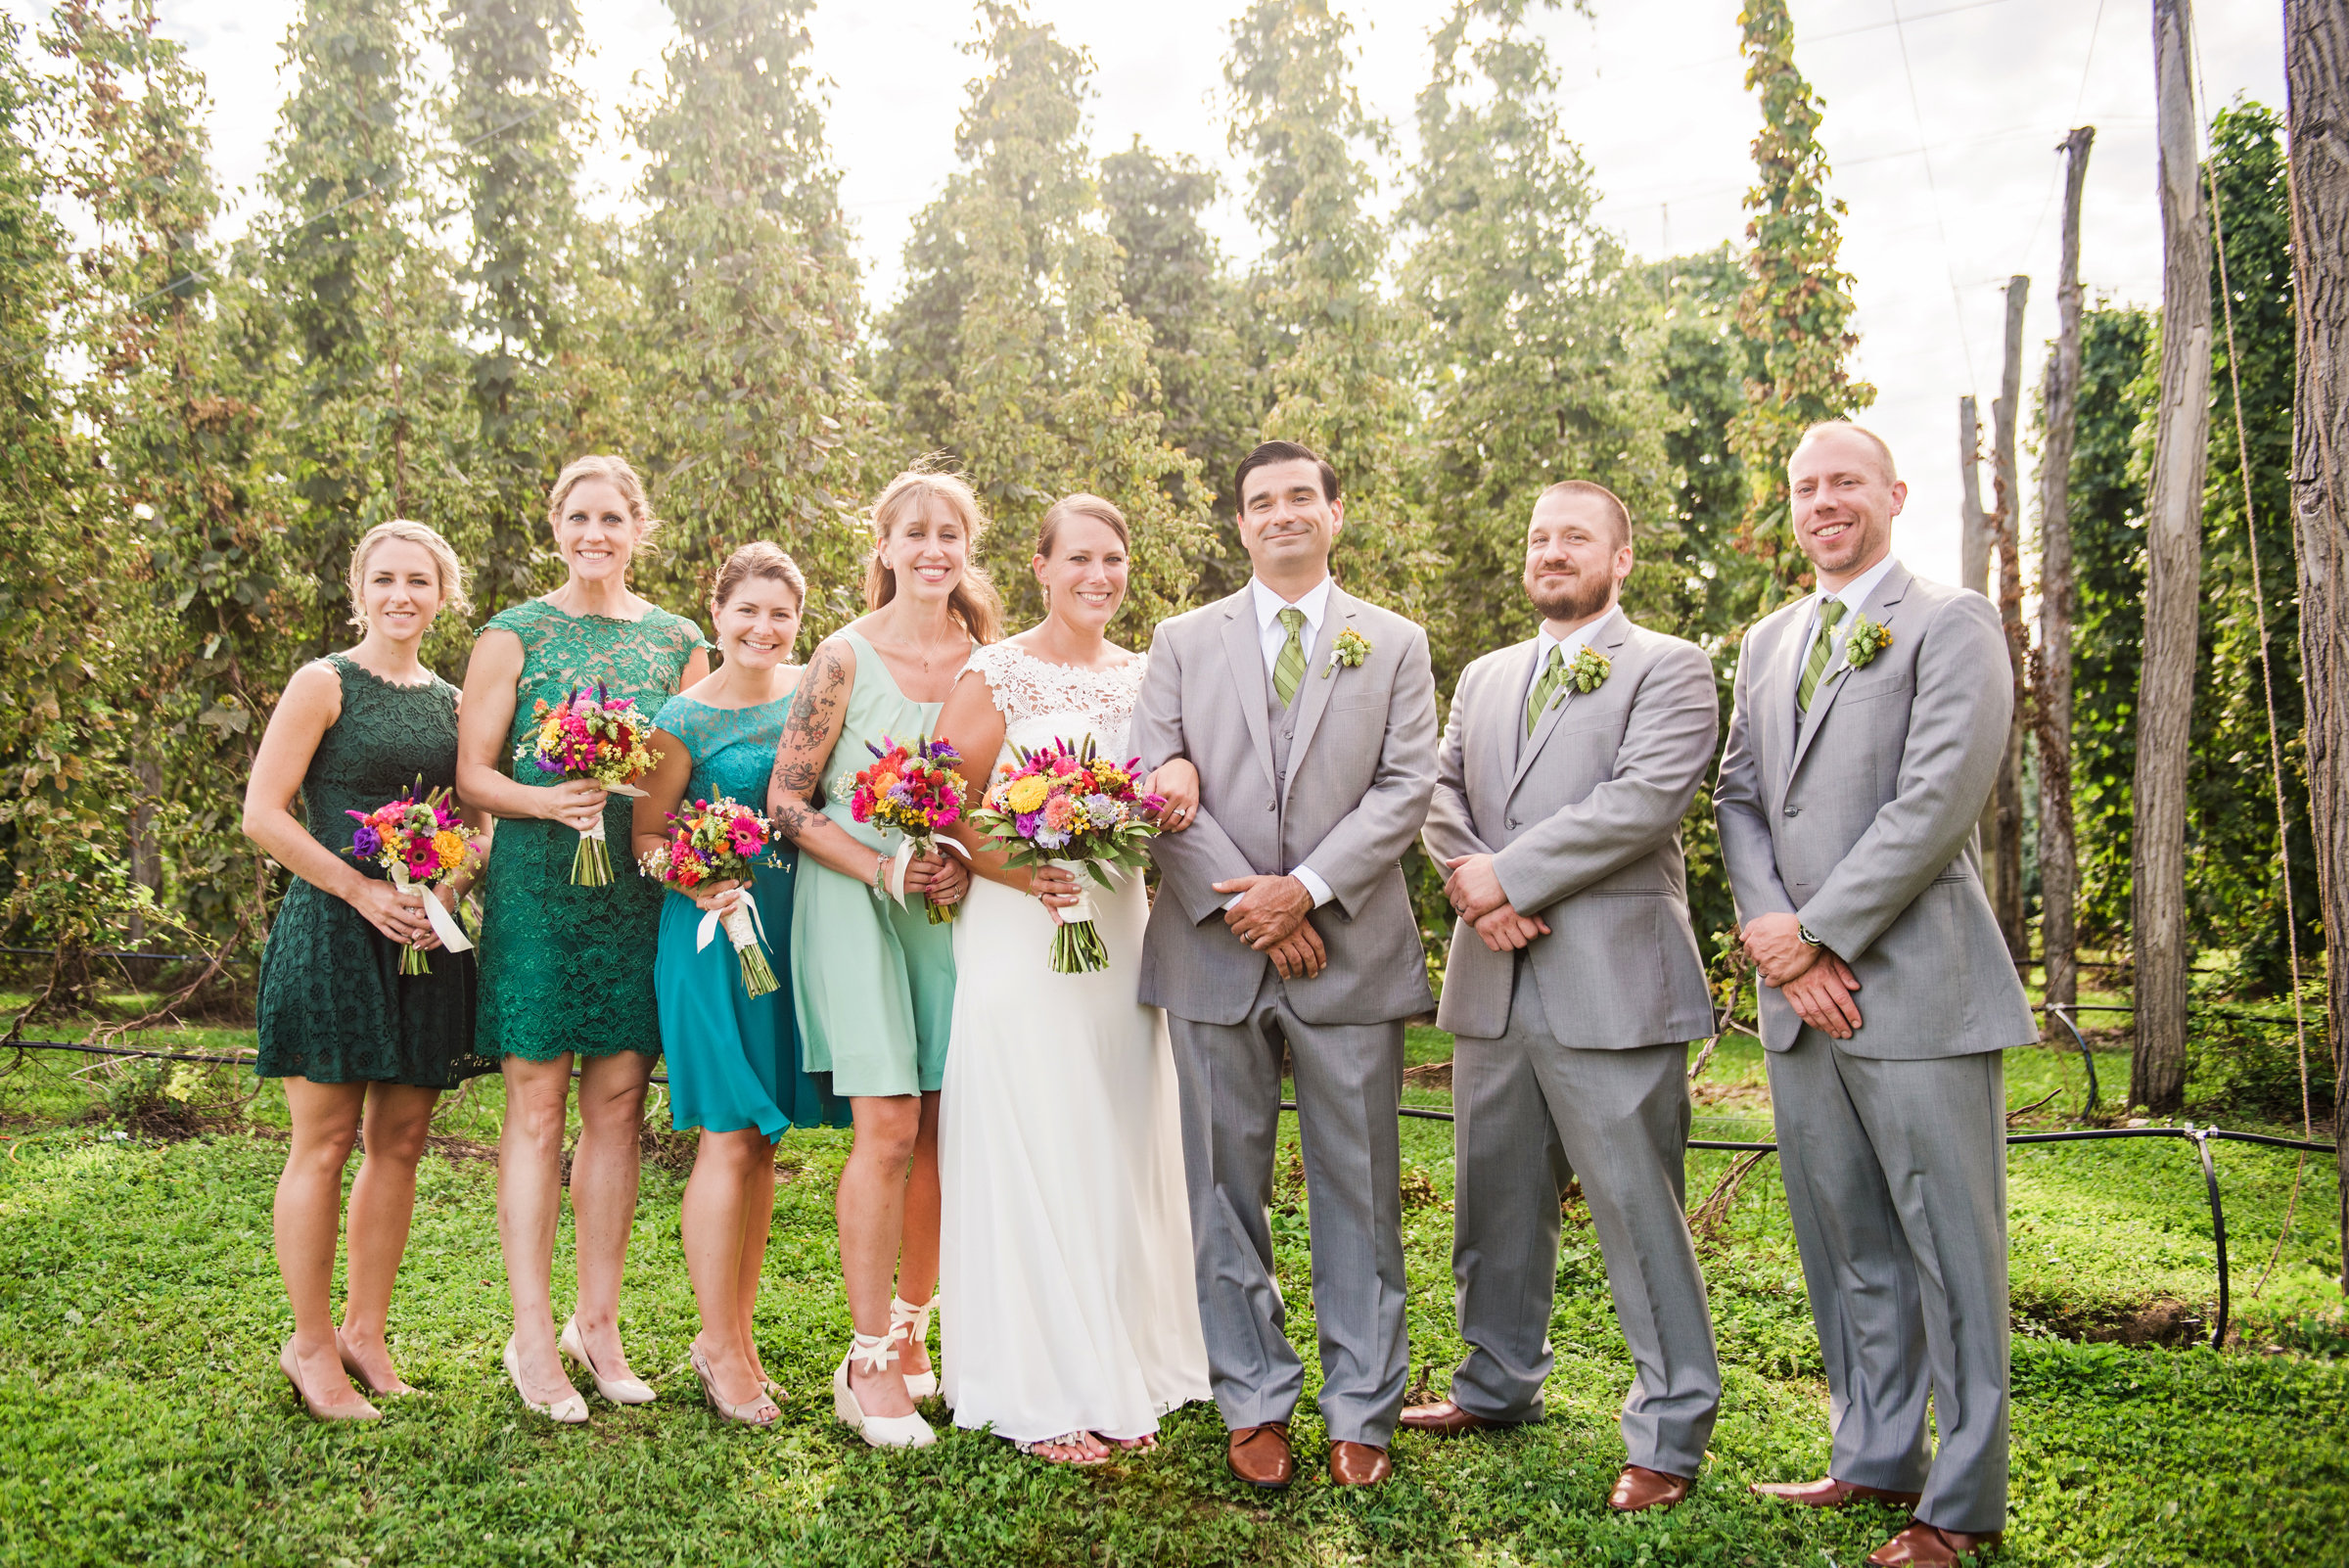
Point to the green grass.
(142, 1418)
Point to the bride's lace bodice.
(1042, 701)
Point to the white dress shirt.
(1852, 596)
(1576, 641)
(1271, 636)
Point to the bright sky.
(1942, 118)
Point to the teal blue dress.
(733, 1058)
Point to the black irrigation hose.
(2202, 1137)
(2088, 1058)
(161, 957)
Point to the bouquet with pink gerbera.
(598, 739)
(712, 841)
(1067, 807)
(420, 845)
(915, 790)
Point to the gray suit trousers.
(1530, 1113)
(1896, 1181)
(1349, 1081)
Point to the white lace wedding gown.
(1066, 1297)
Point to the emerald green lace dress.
(568, 968)
(334, 1006)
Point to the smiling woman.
(548, 944)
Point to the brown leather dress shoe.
(1446, 1419)
(1357, 1464)
(1831, 1493)
(1260, 1455)
(1927, 1546)
(1640, 1489)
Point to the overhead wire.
(1949, 263)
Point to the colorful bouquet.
(1075, 811)
(599, 739)
(421, 844)
(916, 791)
(710, 842)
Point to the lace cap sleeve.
(527, 620)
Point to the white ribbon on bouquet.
(740, 918)
(444, 925)
(1082, 911)
(597, 832)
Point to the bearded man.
(1573, 988)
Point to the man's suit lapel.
(1608, 637)
(1506, 721)
(1246, 654)
(1319, 679)
(1879, 608)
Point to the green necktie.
(1831, 611)
(1553, 675)
(1289, 668)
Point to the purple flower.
(1048, 839)
(366, 844)
(1027, 822)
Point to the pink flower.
(1059, 811)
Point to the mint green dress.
(568, 968)
(733, 1058)
(873, 983)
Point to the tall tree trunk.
(2006, 795)
(2165, 691)
(2316, 56)
(2058, 855)
(1973, 574)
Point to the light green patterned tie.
(1553, 675)
(1289, 668)
(1831, 611)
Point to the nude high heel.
(568, 1412)
(618, 1390)
(877, 1352)
(287, 1365)
(758, 1410)
(913, 1325)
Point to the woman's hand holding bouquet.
(709, 856)
(916, 791)
(423, 846)
(596, 741)
(1072, 810)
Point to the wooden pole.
(2058, 848)
(2316, 58)
(2007, 796)
(1973, 526)
(2165, 692)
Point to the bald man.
(1866, 730)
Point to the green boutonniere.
(1350, 650)
(1587, 670)
(1867, 638)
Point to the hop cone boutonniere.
(1587, 670)
(1868, 639)
(1350, 649)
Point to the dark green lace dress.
(568, 968)
(334, 1006)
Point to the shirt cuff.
(1306, 879)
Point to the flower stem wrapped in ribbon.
(712, 841)
(420, 843)
(598, 740)
(1065, 807)
(915, 790)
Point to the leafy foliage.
(1798, 308)
(1013, 350)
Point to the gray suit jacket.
(1583, 824)
(1860, 817)
(1360, 769)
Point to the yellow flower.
(1028, 794)
(450, 847)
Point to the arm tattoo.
(806, 732)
